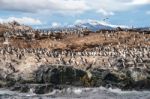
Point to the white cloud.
(108, 5)
(140, 2)
(105, 13)
(112, 6)
(42, 5)
(105, 7)
(23, 20)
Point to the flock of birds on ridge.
(102, 56)
(31, 34)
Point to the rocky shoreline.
(50, 77)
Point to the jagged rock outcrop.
(17, 26)
(49, 77)
(125, 79)
(59, 75)
(13, 26)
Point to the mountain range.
(94, 26)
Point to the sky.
(52, 13)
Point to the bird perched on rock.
(89, 67)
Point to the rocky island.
(43, 60)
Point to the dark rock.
(42, 89)
(49, 77)
(16, 87)
(111, 77)
(25, 89)
(54, 76)
(20, 87)
(98, 76)
(58, 75)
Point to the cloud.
(105, 13)
(67, 7)
(139, 2)
(108, 5)
(44, 5)
(23, 20)
(111, 6)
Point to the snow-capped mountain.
(95, 25)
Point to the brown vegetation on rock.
(82, 43)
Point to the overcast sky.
(63, 12)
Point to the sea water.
(78, 93)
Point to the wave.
(79, 93)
